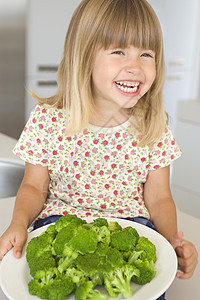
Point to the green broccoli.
(67, 260)
(38, 245)
(114, 257)
(61, 248)
(147, 271)
(148, 249)
(134, 256)
(100, 222)
(76, 275)
(114, 227)
(91, 266)
(133, 231)
(118, 280)
(86, 292)
(60, 288)
(103, 234)
(122, 240)
(51, 230)
(38, 289)
(84, 241)
(64, 221)
(39, 253)
(73, 255)
(62, 239)
(49, 284)
(102, 249)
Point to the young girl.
(101, 146)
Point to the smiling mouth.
(127, 87)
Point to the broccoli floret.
(62, 249)
(100, 222)
(66, 220)
(147, 271)
(122, 240)
(84, 241)
(88, 262)
(92, 267)
(148, 248)
(44, 262)
(114, 227)
(114, 257)
(76, 276)
(102, 249)
(51, 230)
(46, 277)
(134, 233)
(62, 239)
(86, 292)
(60, 288)
(37, 246)
(38, 289)
(118, 280)
(49, 284)
(103, 234)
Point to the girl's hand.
(187, 255)
(14, 237)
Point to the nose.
(133, 66)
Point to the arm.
(29, 202)
(159, 202)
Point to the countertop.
(179, 290)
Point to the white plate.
(14, 273)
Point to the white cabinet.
(186, 173)
(180, 22)
(47, 23)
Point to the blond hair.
(100, 24)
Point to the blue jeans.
(52, 219)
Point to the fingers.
(187, 260)
(18, 246)
(12, 240)
(4, 248)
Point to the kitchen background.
(31, 41)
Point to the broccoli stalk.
(118, 280)
(86, 292)
(134, 256)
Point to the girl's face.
(122, 76)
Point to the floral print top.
(99, 172)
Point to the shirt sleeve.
(33, 143)
(164, 151)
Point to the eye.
(148, 54)
(118, 52)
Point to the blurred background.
(32, 35)
(12, 66)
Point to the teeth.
(130, 87)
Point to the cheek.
(152, 74)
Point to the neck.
(109, 118)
